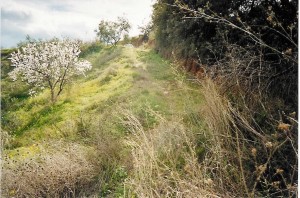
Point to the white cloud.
(73, 18)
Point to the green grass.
(90, 48)
(5, 63)
(158, 68)
(121, 78)
(102, 84)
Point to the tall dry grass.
(165, 161)
(224, 157)
(235, 159)
(244, 159)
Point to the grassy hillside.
(92, 141)
(138, 126)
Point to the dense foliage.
(205, 30)
(250, 49)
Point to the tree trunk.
(53, 97)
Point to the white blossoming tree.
(48, 64)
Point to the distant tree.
(145, 30)
(111, 32)
(126, 39)
(29, 39)
(48, 64)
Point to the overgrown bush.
(204, 30)
(250, 52)
(60, 172)
(89, 48)
(251, 159)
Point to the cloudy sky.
(60, 18)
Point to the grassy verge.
(72, 148)
(84, 144)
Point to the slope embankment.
(131, 126)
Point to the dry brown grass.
(225, 150)
(59, 170)
(244, 159)
(165, 162)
